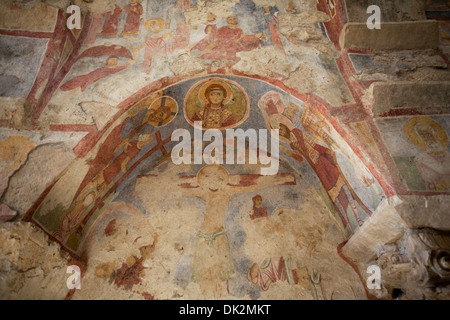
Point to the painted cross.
(212, 263)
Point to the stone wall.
(377, 102)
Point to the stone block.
(412, 35)
(425, 212)
(405, 94)
(392, 218)
(385, 226)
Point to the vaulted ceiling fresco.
(90, 152)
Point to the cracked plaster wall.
(308, 66)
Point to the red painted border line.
(356, 269)
(86, 143)
(336, 24)
(27, 34)
(347, 69)
(45, 71)
(73, 127)
(56, 79)
(359, 51)
(414, 112)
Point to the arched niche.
(140, 140)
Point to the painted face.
(157, 116)
(133, 1)
(426, 132)
(145, 138)
(211, 17)
(154, 26)
(232, 21)
(257, 202)
(213, 177)
(216, 97)
(284, 132)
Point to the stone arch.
(131, 142)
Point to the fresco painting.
(423, 158)
(317, 144)
(332, 7)
(156, 37)
(68, 47)
(214, 190)
(225, 42)
(22, 16)
(217, 104)
(258, 211)
(440, 11)
(20, 60)
(117, 89)
(216, 210)
(138, 35)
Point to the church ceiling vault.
(105, 107)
